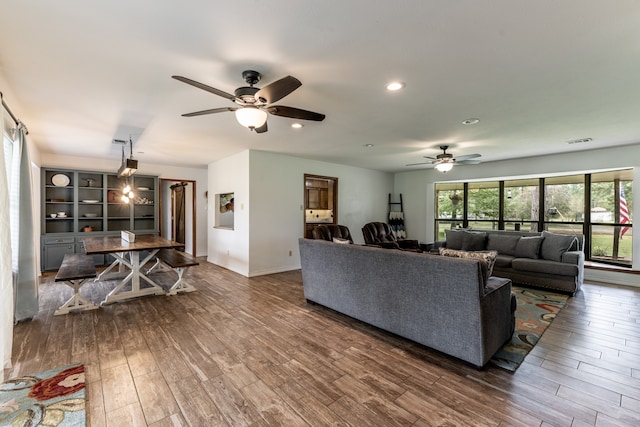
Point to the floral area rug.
(52, 398)
(536, 309)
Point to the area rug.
(52, 398)
(536, 310)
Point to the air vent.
(579, 141)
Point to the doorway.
(178, 212)
(320, 202)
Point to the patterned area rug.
(536, 309)
(52, 398)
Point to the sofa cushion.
(505, 244)
(487, 259)
(503, 261)
(542, 266)
(529, 247)
(554, 245)
(454, 239)
(473, 240)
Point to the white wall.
(275, 195)
(229, 248)
(163, 171)
(419, 186)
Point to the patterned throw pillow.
(487, 259)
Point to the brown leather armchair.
(381, 234)
(329, 231)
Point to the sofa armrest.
(573, 257)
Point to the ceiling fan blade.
(468, 162)
(467, 157)
(205, 87)
(278, 89)
(262, 129)
(211, 111)
(432, 158)
(416, 164)
(295, 113)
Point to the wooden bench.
(178, 262)
(75, 270)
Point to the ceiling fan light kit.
(444, 167)
(444, 161)
(251, 117)
(255, 103)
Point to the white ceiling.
(536, 73)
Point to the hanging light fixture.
(128, 166)
(251, 117)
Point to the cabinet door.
(53, 255)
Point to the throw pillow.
(504, 244)
(341, 241)
(487, 259)
(529, 247)
(454, 238)
(473, 240)
(554, 245)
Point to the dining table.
(130, 259)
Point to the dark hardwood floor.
(243, 351)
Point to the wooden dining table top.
(110, 244)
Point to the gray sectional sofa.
(443, 303)
(545, 260)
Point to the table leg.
(119, 256)
(77, 301)
(134, 277)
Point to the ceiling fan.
(444, 162)
(254, 103)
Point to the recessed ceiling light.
(297, 125)
(393, 86)
(368, 145)
(470, 121)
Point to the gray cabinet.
(76, 203)
(54, 249)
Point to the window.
(610, 233)
(449, 207)
(522, 204)
(598, 205)
(483, 205)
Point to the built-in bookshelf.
(76, 202)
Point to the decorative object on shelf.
(62, 214)
(128, 166)
(90, 201)
(87, 229)
(60, 180)
(53, 215)
(226, 202)
(113, 196)
(91, 215)
(90, 182)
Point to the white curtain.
(25, 278)
(6, 280)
